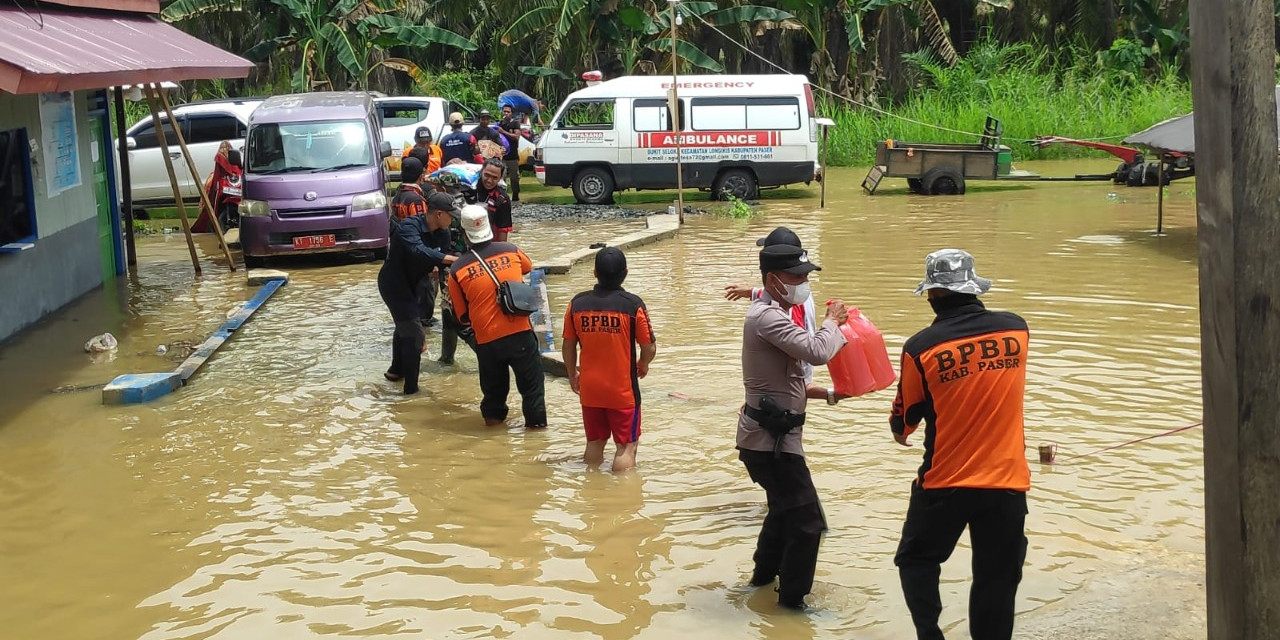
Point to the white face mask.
(795, 293)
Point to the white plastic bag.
(100, 344)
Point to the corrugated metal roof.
(1179, 134)
(64, 50)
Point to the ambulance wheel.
(942, 181)
(593, 185)
(739, 183)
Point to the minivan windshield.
(308, 146)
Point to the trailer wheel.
(593, 185)
(942, 181)
(738, 183)
(914, 185)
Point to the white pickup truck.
(402, 115)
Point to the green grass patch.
(1031, 94)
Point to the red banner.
(665, 139)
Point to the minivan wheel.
(254, 262)
(380, 253)
(593, 185)
(738, 183)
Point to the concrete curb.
(137, 388)
(657, 227)
(553, 364)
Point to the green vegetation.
(736, 208)
(852, 47)
(1031, 94)
(1098, 69)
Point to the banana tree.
(333, 41)
(647, 27)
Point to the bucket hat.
(952, 269)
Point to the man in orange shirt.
(608, 322)
(423, 146)
(964, 376)
(504, 343)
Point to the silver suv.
(205, 126)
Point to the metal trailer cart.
(943, 169)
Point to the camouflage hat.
(952, 269)
(448, 179)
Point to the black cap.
(440, 201)
(422, 133)
(410, 169)
(788, 258)
(611, 266)
(781, 235)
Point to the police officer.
(770, 424)
(409, 259)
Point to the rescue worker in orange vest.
(504, 343)
(964, 376)
(424, 146)
(607, 324)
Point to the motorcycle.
(227, 204)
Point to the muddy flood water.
(290, 492)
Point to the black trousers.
(935, 520)
(792, 530)
(513, 178)
(516, 353)
(450, 331)
(426, 293)
(406, 352)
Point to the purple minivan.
(314, 178)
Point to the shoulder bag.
(515, 297)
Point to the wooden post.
(823, 203)
(675, 115)
(126, 181)
(195, 176)
(1237, 197)
(173, 176)
(1160, 196)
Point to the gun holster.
(773, 418)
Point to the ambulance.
(739, 134)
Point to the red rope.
(1125, 444)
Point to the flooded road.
(291, 492)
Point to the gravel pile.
(529, 211)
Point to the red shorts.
(623, 424)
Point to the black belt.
(770, 421)
(777, 423)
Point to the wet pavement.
(289, 491)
